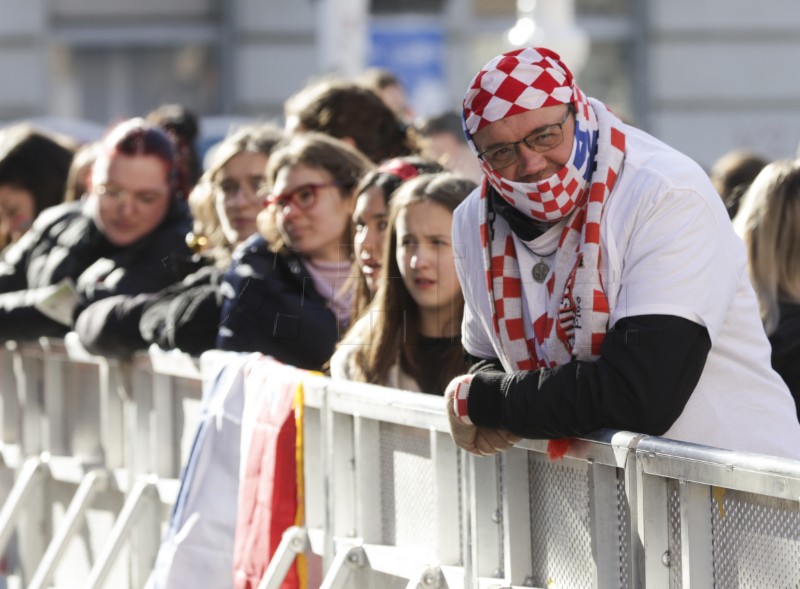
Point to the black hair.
(35, 161)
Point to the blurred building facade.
(706, 76)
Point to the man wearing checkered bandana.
(604, 286)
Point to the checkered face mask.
(517, 82)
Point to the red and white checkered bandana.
(517, 82)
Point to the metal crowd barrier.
(95, 448)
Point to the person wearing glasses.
(604, 284)
(285, 293)
(185, 315)
(121, 239)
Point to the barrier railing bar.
(388, 405)
(652, 521)
(315, 391)
(92, 483)
(28, 401)
(9, 410)
(293, 542)
(327, 485)
(341, 453)
(143, 491)
(517, 518)
(164, 450)
(429, 577)
(486, 515)
(112, 413)
(603, 522)
(367, 502)
(763, 475)
(445, 467)
(465, 482)
(55, 439)
(394, 562)
(170, 363)
(30, 476)
(696, 537)
(342, 565)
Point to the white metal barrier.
(96, 447)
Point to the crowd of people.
(546, 267)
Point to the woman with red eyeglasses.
(286, 292)
(121, 239)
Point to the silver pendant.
(540, 271)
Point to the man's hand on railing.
(481, 441)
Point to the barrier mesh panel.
(674, 539)
(756, 540)
(623, 531)
(561, 551)
(407, 488)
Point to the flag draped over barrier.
(270, 492)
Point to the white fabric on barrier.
(197, 550)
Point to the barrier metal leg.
(343, 564)
(32, 474)
(430, 577)
(293, 542)
(142, 492)
(92, 483)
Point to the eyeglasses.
(230, 187)
(539, 140)
(303, 197)
(111, 193)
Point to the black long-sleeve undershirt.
(648, 367)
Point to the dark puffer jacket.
(271, 306)
(64, 242)
(786, 349)
(184, 315)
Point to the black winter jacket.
(786, 349)
(184, 315)
(64, 242)
(271, 306)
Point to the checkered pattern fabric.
(576, 319)
(523, 80)
(516, 82)
(460, 399)
(574, 324)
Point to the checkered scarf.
(575, 321)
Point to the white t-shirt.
(667, 248)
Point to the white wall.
(723, 75)
(22, 64)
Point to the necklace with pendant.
(541, 269)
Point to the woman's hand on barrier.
(481, 441)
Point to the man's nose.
(529, 162)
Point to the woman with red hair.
(121, 239)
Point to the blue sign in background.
(414, 52)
